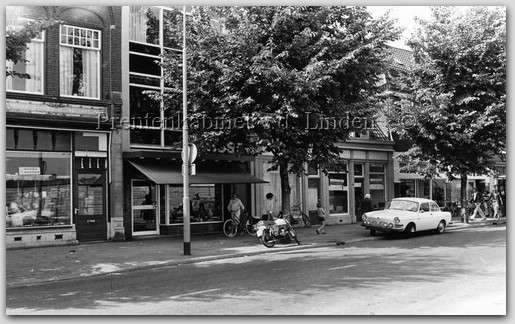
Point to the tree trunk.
(464, 216)
(285, 187)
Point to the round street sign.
(192, 150)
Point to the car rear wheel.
(441, 227)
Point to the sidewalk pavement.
(39, 265)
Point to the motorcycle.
(278, 230)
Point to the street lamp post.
(185, 147)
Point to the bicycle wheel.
(306, 220)
(230, 228)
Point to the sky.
(405, 16)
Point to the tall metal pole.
(185, 153)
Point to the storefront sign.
(29, 170)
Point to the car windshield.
(403, 205)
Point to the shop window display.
(37, 189)
(338, 193)
(205, 203)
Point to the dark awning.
(164, 172)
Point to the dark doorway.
(90, 202)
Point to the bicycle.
(232, 225)
(296, 214)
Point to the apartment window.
(31, 64)
(80, 62)
(154, 32)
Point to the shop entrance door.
(144, 208)
(90, 211)
(358, 197)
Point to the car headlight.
(396, 220)
(364, 218)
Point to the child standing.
(321, 218)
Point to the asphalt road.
(457, 273)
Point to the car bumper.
(397, 228)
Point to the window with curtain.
(79, 65)
(31, 64)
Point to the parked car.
(407, 215)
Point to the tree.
(458, 91)
(283, 81)
(19, 33)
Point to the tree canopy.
(279, 77)
(457, 91)
(458, 88)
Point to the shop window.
(313, 194)
(407, 188)
(32, 65)
(377, 185)
(423, 188)
(358, 170)
(205, 203)
(376, 168)
(79, 62)
(37, 189)
(30, 139)
(338, 193)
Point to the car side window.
(434, 207)
(424, 207)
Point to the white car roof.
(419, 200)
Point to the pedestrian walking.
(477, 200)
(502, 193)
(366, 205)
(268, 207)
(321, 218)
(487, 203)
(496, 202)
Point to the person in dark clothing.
(477, 200)
(366, 205)
(502, 193)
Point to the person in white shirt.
(235, 206)
(268, 207)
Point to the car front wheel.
(409, 231)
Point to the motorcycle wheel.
(267, 239)
(294, 235)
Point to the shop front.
(55, 186)
(368, 170)
(155, 202)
